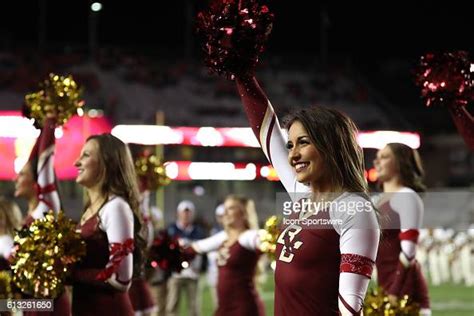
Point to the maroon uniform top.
(237, 264)
(92, 296)
(308, 285)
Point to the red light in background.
(372, 175)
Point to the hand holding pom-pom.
(44, 254)
(446, 79)
(234, 33)
(269, 236)
(167, 254)
(378, 303)
(59, 98)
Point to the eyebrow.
(297, 139)
(300, 137)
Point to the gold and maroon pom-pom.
(44, 253)
(377, 304)
(151, 172)
(234, 33)
(269, 236)
(446, 78)
(58, 94)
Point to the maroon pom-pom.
(234, 33)
(166, 253)
(446, 78)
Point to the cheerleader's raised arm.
(266, 127)
(42, 162)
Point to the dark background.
(357, 29)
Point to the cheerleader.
(36, 182)
(238, 253)
(318, 271)
(140, 291)
(110, 227)
(400, 172)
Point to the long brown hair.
(119, 178)
(334, 136)
(409, 166)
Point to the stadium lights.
(237, 137)
(96, 6)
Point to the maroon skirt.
(140, 295)
(415, 286)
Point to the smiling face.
(88, 165)
(24, 183)
(385, 164)
(304, 157)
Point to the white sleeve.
(409, 206)
(250, 239)
(356, 223)
(6, 246)
(116, 220)
(210, 243)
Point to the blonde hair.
(11, 214)
(250, 211)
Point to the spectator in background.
(188, 278)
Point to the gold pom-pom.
(377, 303)
(152, 172)
(5, 285)
(269, 236)
(59, 94)
(44, 252)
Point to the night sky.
(362, 29)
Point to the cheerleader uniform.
(140, 292)
(102, 278)
(399, 273)
(318, 271)
(236, 292)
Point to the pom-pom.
(5, 285)
(269, 236)
(377, 303)
(44, 252)
(167, 254)
(151, 172)
(60, 95)
(446, 78)
(234, 33)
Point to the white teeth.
(301, 165)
